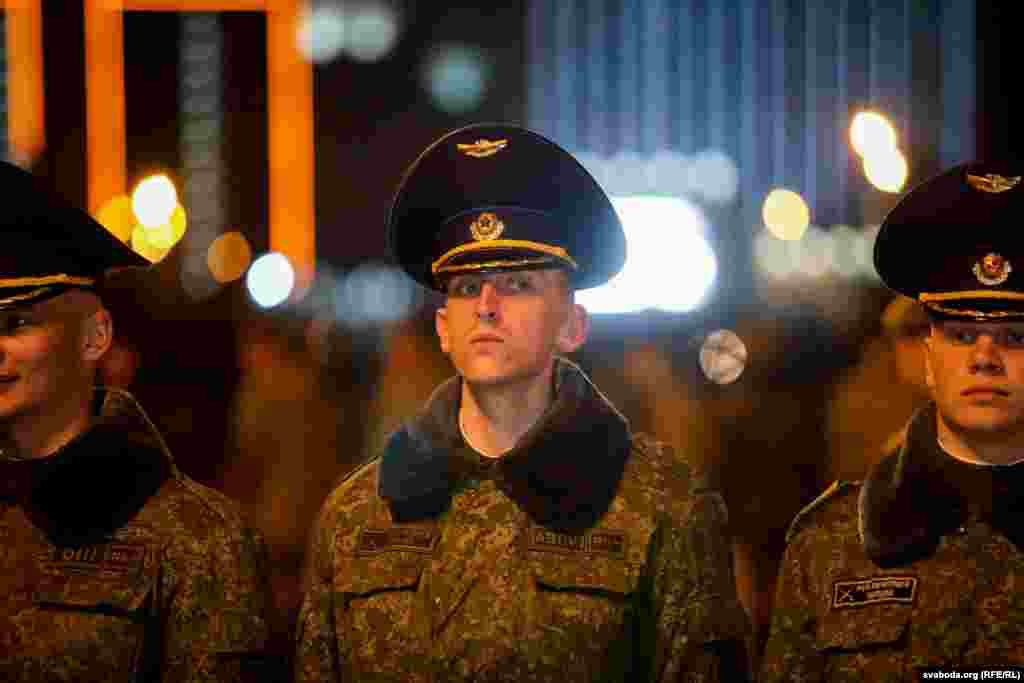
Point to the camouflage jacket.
(921, 565)
(583, 554)
(116, 567)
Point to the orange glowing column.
(26, 132)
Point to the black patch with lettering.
(873, 591)
(416, 539)
(603, 542)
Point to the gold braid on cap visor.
(43, 284)
(439, 266)
(929, 299)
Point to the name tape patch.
(114, 561)
(604, 542)
(416, 539)
(879, 589)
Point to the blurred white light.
(669, 265)
(456, 76)
(785, 214)
(871, 133)
(374, 294)
(321, 33)
(270, 279)
(845, 259)
(372, 32)
(818, 253)
(886, 170)
(713, 176)
(154, 200)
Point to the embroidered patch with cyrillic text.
(416, 539)
(878, 589)
(600, 542)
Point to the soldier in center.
(516, 529)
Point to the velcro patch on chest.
(113, 561)
(415, 538)
(599, 542)
(873, 591)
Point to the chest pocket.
(379, 611)
(857, 641)
(102, 624)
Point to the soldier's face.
(45, 349)
(506, 327)
(976, 373)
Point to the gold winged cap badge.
(482, 148)
(992, 183)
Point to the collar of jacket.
(564, 472)
(919, 493)
(100, 479)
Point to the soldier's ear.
(928, 340)
(441, 326)
(575, 329)
(97, 334)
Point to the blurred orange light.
(116, 215)
(142, 246)
(228, 257)
(871, 133)
(785, 214)
(167, 234)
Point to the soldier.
(114, 566)
(920, 565)
(515, 530)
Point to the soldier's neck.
(1000, 450)
(40, 435)
(494, 418)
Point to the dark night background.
(254, 405)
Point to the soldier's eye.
(464, 287)
(519, 283)
(9, 324)
(959, 336)
(1014, 338)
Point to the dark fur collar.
(564, 473)
(919, 493)
(99, 480)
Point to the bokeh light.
(669, 265)
(374, 294)
(372, 31)
(321, 33)
(228, 257)
(723, 356)
(166, 235)
(154, 200)
(785, 214)
(141, 245)
(871, 133)
(713, 176)
(117, 217)
(270, 279)
(457, 77)
(842, 251)
(886, 170)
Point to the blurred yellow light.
(116, 215)
(785, 214)
(166, 235)
(872, 133)
(228, 257)
(886, 171)
(142, 246)
(154, 200)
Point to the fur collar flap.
(564, 472)
(98, 481)
(918, 494)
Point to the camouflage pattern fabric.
(116, 567)
(920, 565)
(480, 590)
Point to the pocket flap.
(862, 627)
(604, 575)
(390, 571)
